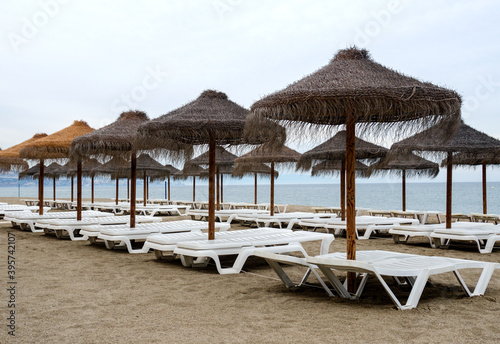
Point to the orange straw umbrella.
(56, 146)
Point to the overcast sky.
(90, 60)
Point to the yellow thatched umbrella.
(56, 146)
(353, 89)
(9, 158)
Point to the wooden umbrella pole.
(116, 192)
(342, 190)
(485, 205)
(92, 190)
(351, 197)
(449, 169)
(133, 176)
(272, 189)
(217, 187)
(255, 188)
(194, 188)
(128, 189)
(72, 182)
(168, 178)
(403, 172)
(40, 189)
(211, 188)
(54, 188)
(79, 190)
(221, 188)
(145, 188)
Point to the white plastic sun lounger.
(417, 268)
(485, 235)
(156, 209)
(422, 216)
(116, 236)
(165, 244)
(476, 217)
(198, 253)
(281, 219)
(227, 215)
(27, 220)
(369, 224)
(72, 227)
(14, 208)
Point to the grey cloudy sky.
(63, 60)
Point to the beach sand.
(74, 292)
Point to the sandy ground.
(74, 292)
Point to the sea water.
(467, 197)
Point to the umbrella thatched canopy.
(54, 146)
(90, 168)
(271, 155)
(191, 171)
(353, 89)
(30, 172)
(408, 165)
(210, 119)
(9, 158)
(223, 159)
(465, 140)
(334, 150)
(115, 139)
(171, 171)
(483, 159)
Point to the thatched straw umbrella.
(483, 159)
(353, 89)
(333, 150)
(30, 172)
(115, 139)
(254, 170)
(466, 140)
(210, 119)
(9, 158)
(55, 146)
(266, 154)
(53, 171)
(172, 170)
(116, 168)
(328, 168)
(150, 167)
(409, 165)
(223, 159)
(191, 171)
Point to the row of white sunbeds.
(185, 239)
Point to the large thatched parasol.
(171, 171)
(466, 140)
(90, 168)
(9, 158)
(333, 150)
(333, 168)
(353, 89)
(265, 154)
(191, 171)
(223, 159)
(115, 139)
(408, 165)
(55, 146)
(210, 119)
(483, 159)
